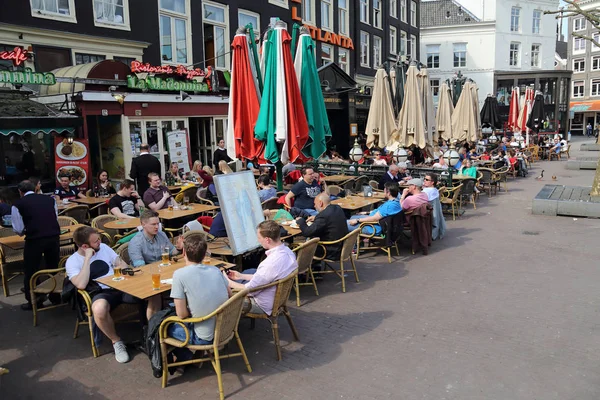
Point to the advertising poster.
(179, 149)
(73, 159)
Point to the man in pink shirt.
(280, 262)
(416, 198)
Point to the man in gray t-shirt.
(198, 290)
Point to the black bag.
(152, 340)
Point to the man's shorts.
(115, 297)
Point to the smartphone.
(221, 265)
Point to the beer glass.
(155, 281)
(186, 201)
(207, 257)
(170, 205)
(117, 265)
(165, 257)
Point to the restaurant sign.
(18, 56)
(27, 76)
(194, 79)
(318, 34)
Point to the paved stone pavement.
(505, 307)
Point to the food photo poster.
(73, 159)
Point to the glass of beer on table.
(155, 281)
(186, 201)
(165, 257)
(117, 268)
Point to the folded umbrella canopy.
(513, 110)
(537, 115)
(305, 65)
(475, 94)
(465, 119)
(525, 111)
(411, 121)
(381, 124)
(397, 80)
(431, 133)
(490, 117)
(281, 119)
(243, 102)
(443, 119)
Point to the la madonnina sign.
(168, 84)
(27, 76)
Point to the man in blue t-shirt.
(304, 192)
(66, 191)
(390, 207)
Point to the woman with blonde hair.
(206, 176)
(196, 168)
(224, 168)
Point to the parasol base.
(571, 201)
(590, 147)
(582, 163)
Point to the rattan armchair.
(374, 184)
(99, 209)
(487, 181)
(270, 204)
(348, 243)
(451, 198)
(501, 176)
(66, 221)
(304, 256)
(52, 285)
(123, 313)
(334, 190)
(283, 287)
(123, 252)
(11, 262)
(227, 318)
(381, 241)
(79, 212)
(102, 220)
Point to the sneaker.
(121, 354)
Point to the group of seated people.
(197, 289)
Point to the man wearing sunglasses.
(429, 188)
(412, 196)
(94, 260)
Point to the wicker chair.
(102, 220)
(501, 176)
(334, 190)
(99, 209)
(487, 182)
(567, 151)
(227, 318)
(451, 197)
(304, 256)
(381, 241)
(346, 254)
(270, 204)
(52, 285)
(80, 213)
(374, 184)
(207, 203)
(124, 313)
(123, 252)
(11, 262)
(64, 221)
(359, 183)
(468, 192)
(282, 293)
(349, 185)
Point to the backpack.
(152, 340)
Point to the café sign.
(194, 79)
(18, 56)
(168, 84)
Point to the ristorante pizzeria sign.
(154, 82)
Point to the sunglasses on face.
(427, 179)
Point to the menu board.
(179, 149)
(73, 159)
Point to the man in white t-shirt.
(429, 186)
(94, 260)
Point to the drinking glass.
(165, 257)
(207, 257)
(186, 201)
(155, 281)
(117, 265)
(170, 205)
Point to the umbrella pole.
(279, 172)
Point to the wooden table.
(193, 209)
(140, 285)
(62, 207)
(456, 177)
(356, 202)
(17, 242)
(338, 178)
(92, 201)
(123, 223)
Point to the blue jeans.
(367, 230)
(176, 331)
(249, 271)
(310, 211)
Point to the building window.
(343, 16)
(403, 43)
(112, 13)
(596, 37)
(376, 51)
(63, 10)
(81, 58)
(579, 24)
(343, 61)
(535, 55)
(249, 17)
(515, 54)
(377, 13)
(595, 89)
(215, 21)
(308, 11)
(413, 13)
(578, 45)
(364, 11)
(327, 15)
(394, 8)
(595, 63)
(125, 60)
(537, 21)
(579, 65)
(403, 10)
(413, 46)
(578, 88)
(515, 19)
(364, 49)
(460, 55)
(173, 31)
(433, 56)
(393, 40)
(280, 3)
(326, 54)
(435, 87)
